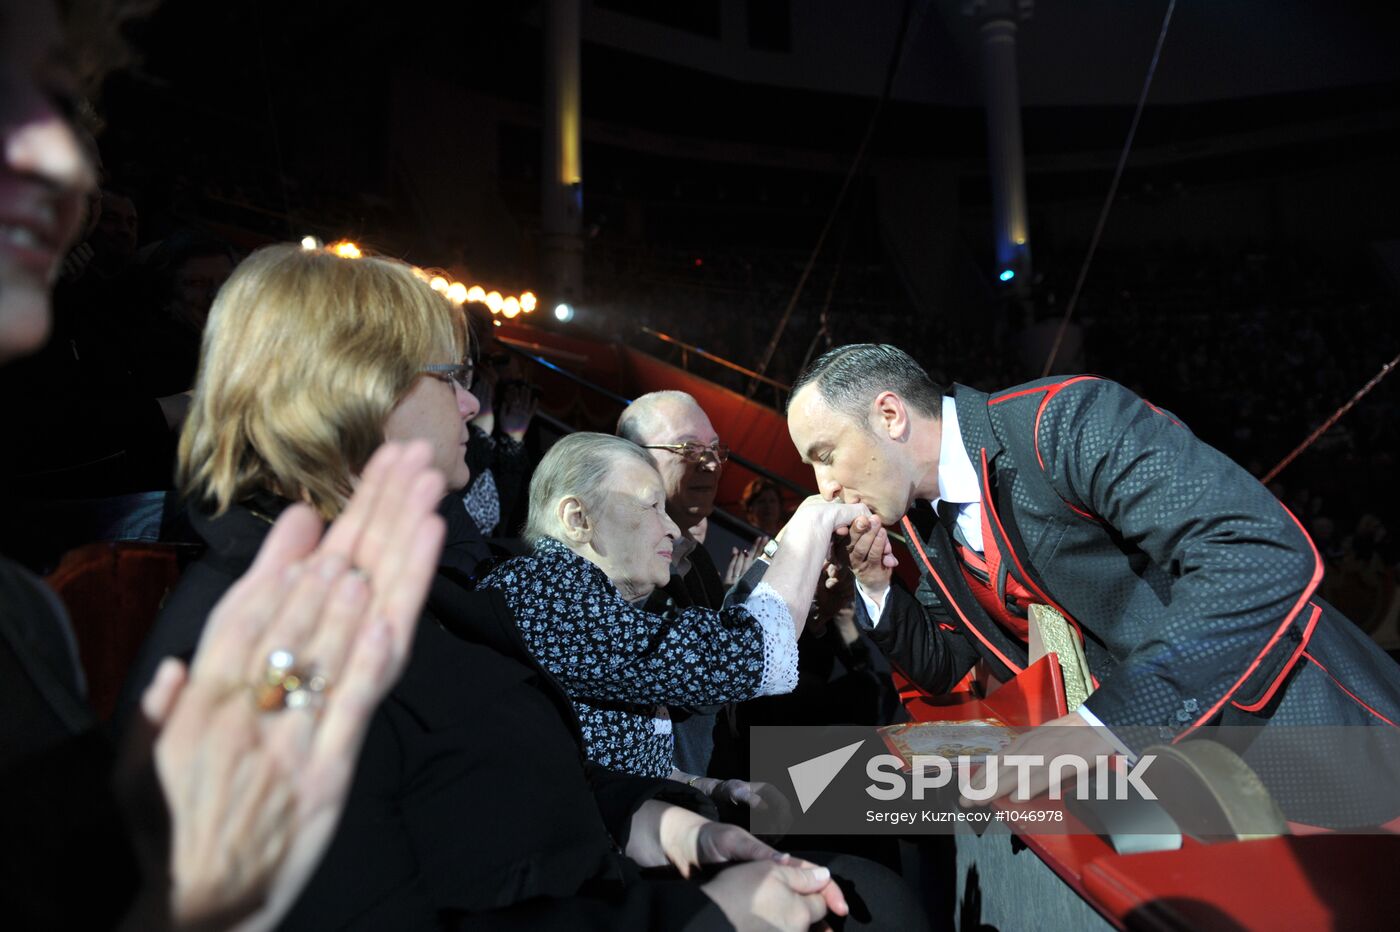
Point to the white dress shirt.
(957, 484)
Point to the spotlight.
(309, 243)
(438, 284)
(457, 292)
(494, 302)
(346, 250)
(476, 294)
(1007, 274)
(564, 312)
(510, 307)
(527, 301)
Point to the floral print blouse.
(621, 665)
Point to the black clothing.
(1193, 587)
(623, 665)
(706, 738)
(472, 800)
(464, 548)
(59, 820)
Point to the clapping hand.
(741, 560)
(254, 747)
(518, 403)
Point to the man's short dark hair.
(849, 377)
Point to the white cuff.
(779, 640)
(1091, 719)
(871, 609)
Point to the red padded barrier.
(112, 592)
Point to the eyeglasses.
(463, 373)
(693, 451)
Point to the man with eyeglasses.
(688, 453)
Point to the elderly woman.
(472, 795)
(603, 542)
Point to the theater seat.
(112, 591)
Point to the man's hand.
(871, 558)
(663, 833)
(1068, 734)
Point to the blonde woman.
(472, 795)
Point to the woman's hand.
(766, 888)
(776, 896)
(805, 542)
(758, 796)
(824, 518)
(254, 782)
(741, 560)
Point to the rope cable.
(1112, 192)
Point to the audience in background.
(763, 506)
(498, 455)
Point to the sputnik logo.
(811, 777)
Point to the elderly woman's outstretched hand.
(833, 517)
(254, 748)
(803, 547)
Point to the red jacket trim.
(918, 548)
(1288, 620)
(1024, 391)
(1287, 667)
(989, 508)
(1050, 392)
(1353, 695)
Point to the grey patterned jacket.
(1194, 587)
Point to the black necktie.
(948, 514)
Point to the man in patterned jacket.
(1193, 588)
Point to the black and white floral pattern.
(621, 665)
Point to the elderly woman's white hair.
(577, 466)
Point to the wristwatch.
(769, 549)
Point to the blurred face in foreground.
(44, 171)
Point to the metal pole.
(1006, 162)
(561, 181)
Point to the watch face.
(770, 548)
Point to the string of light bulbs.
(459, 293)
